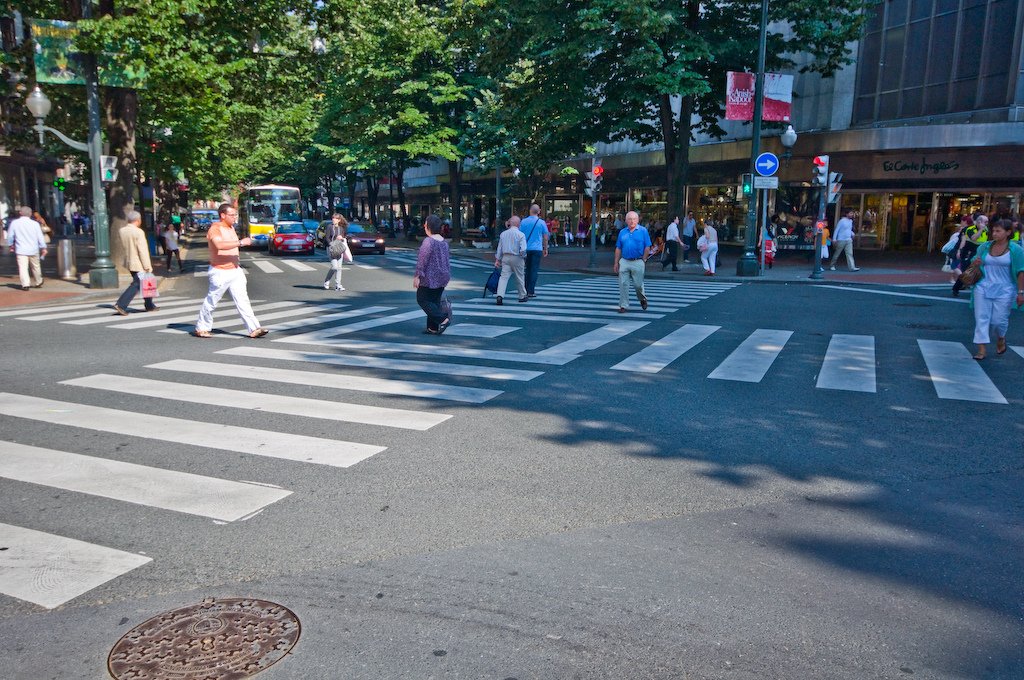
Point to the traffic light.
(748, 184)
(591, 184)
(598, 176)
(60, 184)
(835, 186)
(820, 177)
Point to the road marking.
(264, 403)
(316, 337)
(933, 298)
(332, 380)
(475, 330)
(442, 350)
(49, 570)
(660, 353)
(574, 305)
(298, 266)
(595, 317)
(568, 293)
(591, 340)
(201, 272)
(268, 267)
(290, 325)
(60, 308)
(191, 318)
(153, 487)
(1018, 350)
(282, 445)
(751, 360)
(487, 372)
(849, 364)
(956, 375)
(105, 312)
(605, 283)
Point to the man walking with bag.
(28, 244)
(631, 249)
(135, 258)
(842, 241)
(536, 232)
(672, 244)
(226, 275)
(510, 256)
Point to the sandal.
(202, 334)
(258, 333)
(1000, 345)
(979, 357)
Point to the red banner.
(739, 96)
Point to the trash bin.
(66, 267)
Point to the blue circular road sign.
(766, 164)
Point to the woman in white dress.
(709, 256)
(1000, 289)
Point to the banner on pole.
(739, 96)
(58, 62)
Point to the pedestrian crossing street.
(396, 259)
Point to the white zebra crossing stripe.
(956, 375)
(201, 272)
(264, 403)
(577, 306)
(1018, 350)
(849, 364)
(333, 380)
(537, 313)
(153, 487)
(384, 363)
(59, 308)
(595, 339)
(288, 325)
(298, 266)
(547, 357)
(105, 312)
(190, 318)
(49, 570)
(660, 353)
(282, 445)
(751, 360)
(317, 337)
(268, 267)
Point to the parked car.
(290, 237)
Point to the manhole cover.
(929, 327)
(225, 639)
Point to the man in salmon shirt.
(226, 275)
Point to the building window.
(944, 46)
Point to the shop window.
(920, 9)
(896, 14)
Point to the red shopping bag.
(147, 283)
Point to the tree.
(651, 70)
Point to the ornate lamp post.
(102, 273)
(788, 139)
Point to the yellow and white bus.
(267, 206)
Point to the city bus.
(266, 206)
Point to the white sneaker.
(327, 286)
(339, 288)
(831, 269)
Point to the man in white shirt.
(672, 244)
(511, 257)
(842, 241)
(27, 242)
(689, 232)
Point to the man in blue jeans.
(536, 232)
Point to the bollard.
(66, 267)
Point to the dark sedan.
(290, 237)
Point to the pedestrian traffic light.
(820, 171)
(748, 184)
(60, 184)
(835, 186)
(598, 177)
(591, 184)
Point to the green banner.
(59, 63)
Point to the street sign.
(766, 182)
(766, 164)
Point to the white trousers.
(336, 271)
(512, 265)
(25, 263)
(709, 257)
(990, 314)
(630, 270)
(223, 281)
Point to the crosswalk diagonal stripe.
(333, 380)
(667, 296)
(544, 357)
(289, 325)
(558, 315)
(268, 267)
(955, 375)
(487, 372)
(660, 353)
(71, 567)
(751, 360)
(335, 331)
(544, 296)
(1018, 350)
(281, 445)
(84, 306)
(849, 364)
(105, 311)
(613, 282)
(139, 484)
(264, 403)
(162, 320)
(595, 339)
(298, 266)
(574, 305)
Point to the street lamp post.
(788, 139)
(747, 265)
(102, 273)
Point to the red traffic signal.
(821, 161)
(598, 170)
(820, 226)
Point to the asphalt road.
(585, 521)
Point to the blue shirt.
(535, 229)
(632, 244)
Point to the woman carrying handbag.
(1000, 288)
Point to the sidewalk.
(879, 268)
(11, 294)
